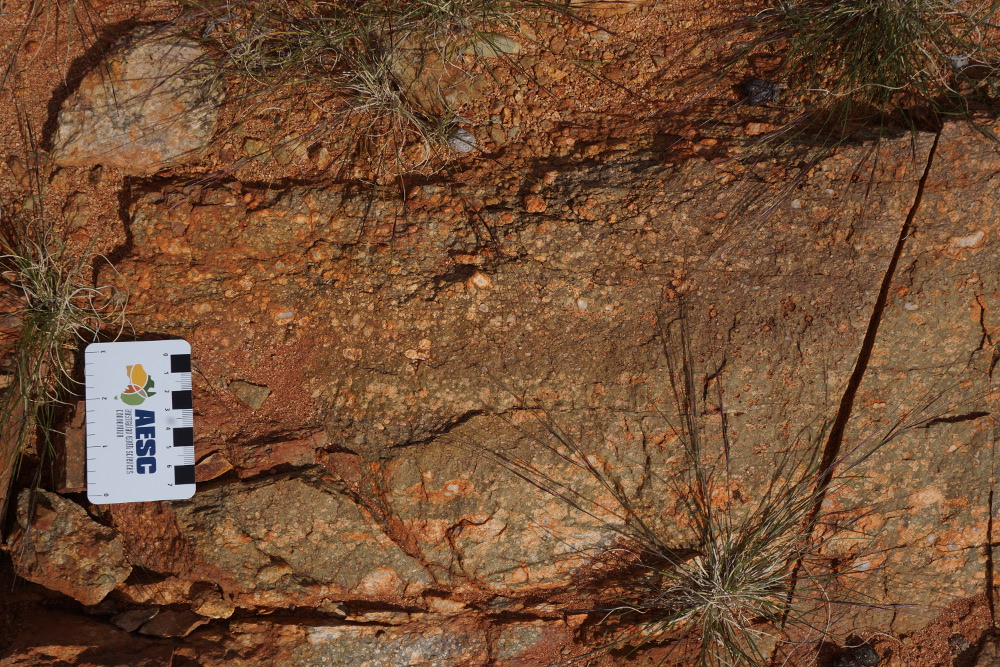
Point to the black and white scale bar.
(180, 363)
(140, 421)
(180, 400)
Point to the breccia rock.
(56, 544)
(402, 508)
(152, 103)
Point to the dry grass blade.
(57, 310)
(741, 574)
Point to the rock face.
(58, 546)
(410, 491)
(149, 105)
(420, 354)
(301, 538)
(50, 638)
(932, 361)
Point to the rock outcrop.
(58, 546)
(416, 352)
(152, 103)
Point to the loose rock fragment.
(207, 600)
(958, 643)
(212, 466)
(462, 141)
(862, 655)
(146, 107)
(132, 620)
(57, 545)
(173, 624)
(251, 394)
(760, 92)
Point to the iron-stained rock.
(56, 544)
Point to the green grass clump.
(48, 292)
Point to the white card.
(140, 438)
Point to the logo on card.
(139, 387)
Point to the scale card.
(140, 437)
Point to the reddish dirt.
(604, 77)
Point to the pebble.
(958, 643)
(534, 204)
(462, 141)
(16, 166)
(760, 92)
(862, 655)
(255, 147)
(252, 395)
(959, 62)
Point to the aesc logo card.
(140, 430)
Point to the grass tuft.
(55, 308)
(740, 579)
(383, 79)
(724, 576)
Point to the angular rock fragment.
(760, 92)
(212, 466)
(56, 544)
(149, 105)
(207, 600)
(133, 619)
(171, 623)
(252, 395)
(462, 141)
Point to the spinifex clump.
(734, 591)
(57, 309)
(871, 63)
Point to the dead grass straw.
(49, 293)
(746, 574)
